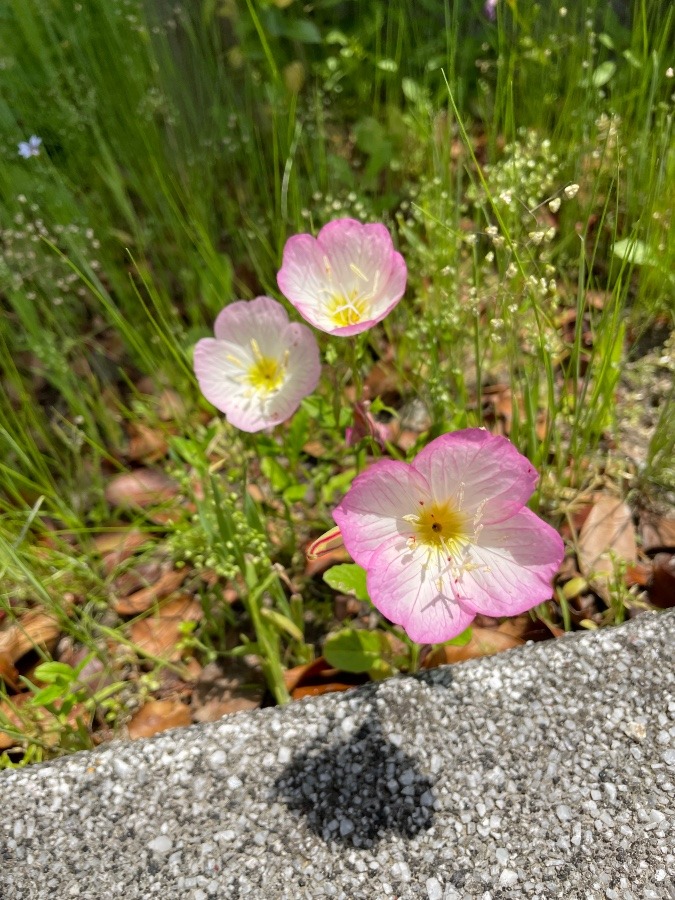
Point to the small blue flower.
(31, 147)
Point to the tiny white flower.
(571, 191)
(554, 205)
(31, 147)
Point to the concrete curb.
(545, 772)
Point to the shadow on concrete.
(355, 791)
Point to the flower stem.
(415, 650)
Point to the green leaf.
(298, 432)
(387, 65)
(635, 252)
(282, 623)
(413, 91)
(276, 473)
(338, 484)
(372, 140)
(337, 37)
(48, 695)
(603, 73)
(295, 493)
(461, 640)
(380, 670)
(348, 578)
(632, 59)
(353, 651)
(55, 672)
(302, 30)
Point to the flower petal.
(302, 375)
(262, 320)
(409, 593)
(372, 511)
(511, 566)
(477, 468)
(220, 380)
(303, 279)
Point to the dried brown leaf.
(116, 546)
(227, 687)
(10, 713)
(293, 677)
(146, 444)
(484, 642)
(658, 532)
(142, 600)
(316, 690)
(35, 629)
(171, 405)
(158, 715)
(525, 628)
(8, 672)
(315, 449)
(159, 634)
(213, 710)
(662, 587)
(607, 535)
(142, 487)
(319, 677)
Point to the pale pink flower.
(346, 279)
(259, 366)
(449, 536)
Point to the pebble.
(434, 889)
(217, 759)
(121, 768)
(508, 878)
(346, 827)
(284, 755)
(401, 871)
(161, 844)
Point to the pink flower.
(259, 366)
(366, 425)
(346, 280)
(449, 536)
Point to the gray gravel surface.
(546, 772)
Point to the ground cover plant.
(168, 550)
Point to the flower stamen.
(267, 373)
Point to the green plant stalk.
(266, 635)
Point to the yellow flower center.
(266, 374)
(441, 527)
(445, 533)
(345, 311)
